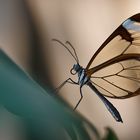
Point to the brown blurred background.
(26, 30)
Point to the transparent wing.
(120, 80)
(124, 40)
(115, 67)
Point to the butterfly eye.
(72, 71)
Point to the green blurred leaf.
(110, 135)
(46, 117)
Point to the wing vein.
(130, 78)
(117, 86)
(103, 89)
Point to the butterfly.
(114, 69)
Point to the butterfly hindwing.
(120, 80)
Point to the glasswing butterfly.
(114, 69)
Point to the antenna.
(67, 42)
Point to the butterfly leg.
(79, 99)
(69, 80)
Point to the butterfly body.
(114, 70)
(82, 76)
(84, 79)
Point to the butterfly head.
(76, 68)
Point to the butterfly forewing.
(115, 67)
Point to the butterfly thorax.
(82, 76)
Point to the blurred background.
(26, 32)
